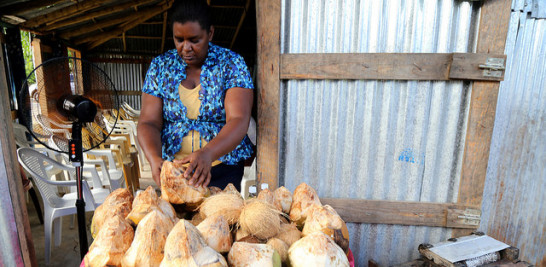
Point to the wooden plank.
(143, 16)
(95, 14)
(23, 7)
(268, 21)
(399, 212)
(466, 66)
(386, 66)
(375, 66)
(18, 241)
(61, 14)
(495, 16)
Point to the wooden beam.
(67, 12)
(141, 37)
(241, 20)
(67, 34)
(124, 43)
(17, 243)
(23, 7)
(143, 16)
(163, 33)
(493, 29)
(405, 213)
(95, 14)
(386, 66)
(268, 20)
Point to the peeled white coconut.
(150, 236)
(282, 199)
(304, 198)
(216, 232)
(243, 254)
(316, 249)
(326, 220)
(186, 247)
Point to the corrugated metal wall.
(514, 205)
(126, 78)
(387, 140)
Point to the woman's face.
(192, 42)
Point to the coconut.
(111, 242)
(289, 233)
(303, 199)
(118, 202)
(316, 249)
(175, 188)
(225, 204)
(327, 220)
(150, 236)
(260, 219)
(282, 199)
(168, 210)
(145, 202)
(280, 247)
(244, 254)
(186, 247)
(266, 196)
(214, 190)
(215, 230)
(230, 188)
(197, 218)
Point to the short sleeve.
(237, 74)
(151, 83)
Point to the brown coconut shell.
(289, 233)
(260, 219)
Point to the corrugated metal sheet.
(389, 140)
(514, 205)
(125, 77)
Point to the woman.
(196, 104)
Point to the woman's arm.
(238, 105)
(149, 128)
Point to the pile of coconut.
(187, 226)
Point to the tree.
(27, 54)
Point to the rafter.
(96, 26)
(64, 13)
(142, 16)
(164, 32)
(91, 15)
(240, 24)
(27, 6)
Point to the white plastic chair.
(130, 110)
(56, 206)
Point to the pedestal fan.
(69, 91)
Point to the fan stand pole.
(76, 157)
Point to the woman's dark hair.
(183, 11)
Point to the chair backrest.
(35, 163)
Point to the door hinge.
(493, 67)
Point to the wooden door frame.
(493, 29)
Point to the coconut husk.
(168, 210)
(303, 199)
(280, 246)
(316, 249)
(175, 188)
(266, 196)
(149, 242)
(197, 218)
(289, 233)
(145, 202)
(260, 219)
(215, 231)
(119, 202)
(186, 247)
(111, 243)
(326, 220)
(244, 254)
(214, 190)
(230, 188)
(282, 199)
(226, 204)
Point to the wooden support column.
(17, 248)
(268, 20)
(495, 16)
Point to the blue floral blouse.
(223, 69)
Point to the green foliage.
(27, 54)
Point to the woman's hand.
(198, 172)
(156, 165)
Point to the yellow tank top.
(190, 142)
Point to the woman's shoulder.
(167, 57)
(223, 54)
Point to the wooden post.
(17, 247)
(268, 20)
(495, 16)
